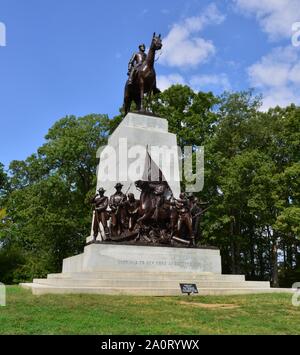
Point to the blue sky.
(66, 57)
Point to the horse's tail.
(127, 99)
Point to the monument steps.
(38, 289)
(155, 283)
(145, 271)
(146, 276)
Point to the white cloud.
(274, 16)
(278, 76)
(183, 46)
(2, 35)
(165, 81)
(196, 82)
(199, 82)
(279, 97)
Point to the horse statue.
(154, 201)
(144, 81)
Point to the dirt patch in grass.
(210, 305)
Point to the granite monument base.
(137, 258)
(146, 271)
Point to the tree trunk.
(275, 282)
(237, 251)
(252, 251)
(232, 251)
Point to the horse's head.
(156, 43)
(141, 185)
(138, 184)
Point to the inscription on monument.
(160, 262)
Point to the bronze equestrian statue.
(154, 196)
(142, 77)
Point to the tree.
(48, 216)
(3, 180)
(190, 115)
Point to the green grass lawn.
(96, 314)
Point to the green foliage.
(12, 261)
(190, 115)
(3, 181)
(47, 216)
(251, 175)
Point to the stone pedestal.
(121, 153)
(136, 258)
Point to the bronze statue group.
(157, 218)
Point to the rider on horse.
(142, 76)
(135, 62)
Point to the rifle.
(128, 189)
(200, 213)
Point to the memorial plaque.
(189, 288)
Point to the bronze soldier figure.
(184, 216)
(197, 210)
(136, 60)
(173, 218)
(132, 206)
(159, 188)
(118, 211)
(100, 203)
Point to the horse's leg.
(149, 96)
(141, 109)
(126, 106)
(146, 216)
(127, 100)
(137, 101)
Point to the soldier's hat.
(118, 185)
(101, 189)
